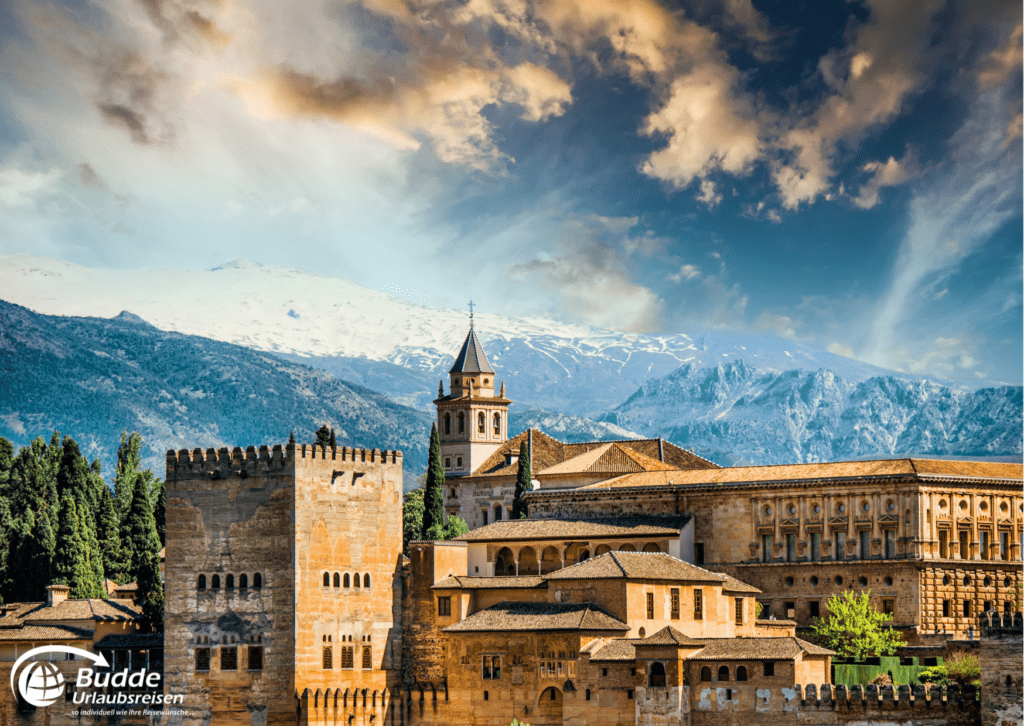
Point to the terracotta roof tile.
(785, 648)
(95, 609)
(610, 458)
(734, 585)
(538, 616)
(37, 633)
(617, 649)
(458, 582)
(635, 566)
(668, 636)
(614, 527)
(131, 640)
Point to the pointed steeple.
(502, 394)
(471, 358)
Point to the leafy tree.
(855, 629)
(433, 496)
(71, 565)
(129, 461)
(523, 483)
(961, 669)
(323, 436)
(412, 517)
(456, 527)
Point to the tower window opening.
(447, 423)
(462, 422)
(497, 424)
(480, 426)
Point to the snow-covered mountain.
(735, 414)
(390, 345)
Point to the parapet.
(1001, 627)
(266, 461)
(930, 699)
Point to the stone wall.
(1001, 671)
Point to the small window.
(723, 674)
(741, 673)
(888, 606)
(698, 604)
(328, 659)
(945, 608)
(588, 692)
(346, 581)
(705, 674)
(486, 696)
(675, 603)
(444, 606)
(337, 579)
(739, 611)
(257, 580)
(202, 659)
(448, 463)
(814, 609)
(447, 427)
(481, 427)
(650, 606)
(604, 672)
(202, 582)
(629, 694)
(366, 579)
(769, 668)
(255, 657)
(367, 658)
(497, 424)
(462, 428)
(458, 462)
(230, 582)
(967, 608)
(215, 582)
(229, 659)
(491, 667)
(347, 660)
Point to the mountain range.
(243, 353)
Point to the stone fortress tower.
(282, 579)
(472, 421)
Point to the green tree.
(961, 668)
(433, 495)
(412, 517)
(138, 532)
(151, 593)
(855, 629)
(160, 511)
(71, 565)
(129, 460)
(333, 441)
(323, 436)
(523, 483)
(115, 565)
(6, 464)
(35, 567)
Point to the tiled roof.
(617, 649)
(610, 458)
(131, 640)
(785, 648)
(459, 582)
(914, 468)
(520, 616)
(635, 566)
(612, 527)
(549, 452)
(734, 585)
(668, 636)
(95, 609)
(37, 633)
(471, 358)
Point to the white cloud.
(21, 188)
(686, 272)
(884, 174)
(840, 349)
(708, 195)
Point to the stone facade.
(1002, 669)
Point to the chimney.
(56, 594)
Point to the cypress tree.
(8, 532)
(333, 442)
(433, 495)
(71, 564)
(151, 593)
(73, 477)
(523, 483)
(323, 436)
(6, 464)
(138, 532)
(129, 459)
(160, 511)
(42, 546)
(109, 535)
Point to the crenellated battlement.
(872, 697)
(225, 463)
(1001, 626)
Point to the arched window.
(367, 658)
(657, 675)
(215, 582)
(243, 581)
(705, 674)
(462, 422)
(480, 426)
(355, 580)
(230, 582)
(652, 547)
(723, 673)
(366, 580)
(447, 423)
(327, 579)
(741, 673)
(328, 659)
(337, 579)
(202, 582)
(584, 555)
(497, 424)
(347, 582)
(257, 580)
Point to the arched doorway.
(657, 679)
(504, 563)
(550, 560)
(652, 547)
(549, 708)
(528, 562)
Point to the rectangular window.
(766, 548)
(965, 545)
(447, 462)
(444, 606)
(202, 659)
(629, 694)
(650, 606)
(815, 546)
(890, 544)
(570, 668)
(347, 658)
(604, 672)
(458, 462)
(840, 538)
(967, 608)
(328, 658)
(984, 545)
(790, 609)
(698, 553)
(865, 544)
(766, 610)
(698, 604)
(988, 606)
(945, 608)
(769, 668)
(790, 548)
(739, 611)
(943, 544)
(675, 603)
(255, 657)
(367, 658)
(1004, 545)
(888, 606)
(814, 609)
(485, 516)
(229, 659)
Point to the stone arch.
(497, 424)
(549, 707)
(337, 579)
(652, 547)
(528, 561)
(366, 579)
(201, 584)
(504, 563)
(243, 581)
(584, 555)
(602, 549)
(627, 547)
(705, 674)
(550, 560)
(723, 673)
(657, 679)
(346, 582)
(461, 420)
(448, 424)
(481, 423)
(741, 673)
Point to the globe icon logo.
(41, 683)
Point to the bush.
(882, 679)
(962, 670)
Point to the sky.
(845, 174)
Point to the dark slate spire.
(471, 358)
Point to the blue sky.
(845, 174)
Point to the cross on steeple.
(471, 314)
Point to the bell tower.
(471, 419)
